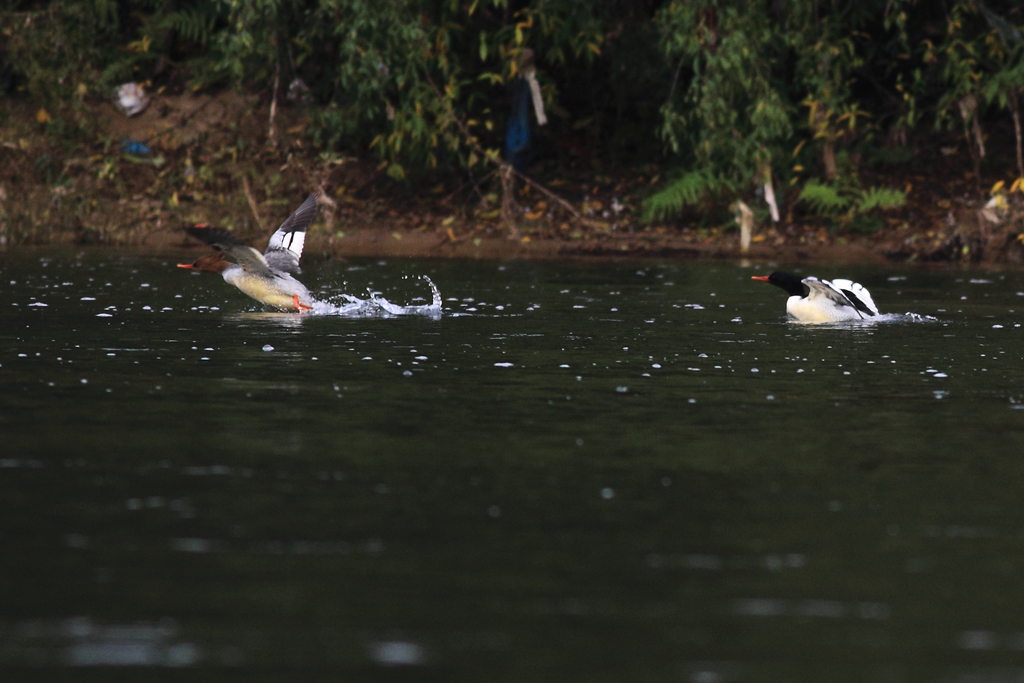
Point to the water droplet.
(397, 653)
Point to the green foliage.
(731, 117)
(844, 205)
(749, 68)
(192, 23)
(57, 52)
(881, 198)
(736, 91)
(688, 190)
(824, 199)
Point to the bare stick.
(474, 183)
(675, 79)
(252, 201)
(329, 205)
(273, 104)
(533, 183)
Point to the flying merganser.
(265, 277)
(821, 301)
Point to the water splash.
(433, 309)
(376, 306)
(348, 306)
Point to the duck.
(265, 277)
(823, 301)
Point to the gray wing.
(225, 242)
(824, 288)
(285, 248)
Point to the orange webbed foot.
(299, 306)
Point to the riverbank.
(212, 158)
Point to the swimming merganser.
(265, 277)
(821, 301)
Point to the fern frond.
(881, 198)
(686, 191)
(823, 199)
(192, 24)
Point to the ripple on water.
(82, 642)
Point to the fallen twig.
(252, 202)
(273, 104)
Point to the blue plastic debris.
(133, 146)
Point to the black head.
(791, 283)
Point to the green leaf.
(687, 190)
(881, 198)
(823, 199)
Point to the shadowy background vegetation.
(794, 108)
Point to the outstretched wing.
(285, 248)
(231, 246)
(824, 288)
(858, 295)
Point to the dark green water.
(607, 472)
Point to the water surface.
(603, 471)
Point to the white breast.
(819, 310)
